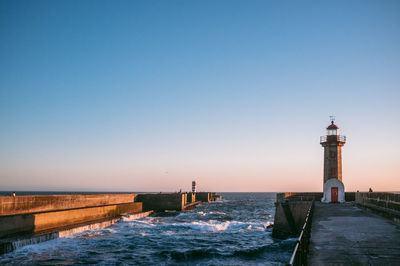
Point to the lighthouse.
(332, 144)
(193, 186)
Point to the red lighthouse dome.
(332, 126)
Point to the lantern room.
(332, 130)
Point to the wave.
(246, 253)
(220, 201)
(193, 254)
(143, 223)
(217, 212)
(269, 224)
(218, 226)
(200, 226)
(190, 214)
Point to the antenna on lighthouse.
(332, 118)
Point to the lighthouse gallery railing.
(340, 138)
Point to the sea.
(233, 231)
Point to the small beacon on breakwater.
(332, 143)
(194, 186)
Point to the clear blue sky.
(150, 95)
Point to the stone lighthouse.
(332, 143)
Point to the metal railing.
(340, 138)
(299, 256)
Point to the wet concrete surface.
(343, 234)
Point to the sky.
(150, 95)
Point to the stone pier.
(344, 234)
(363, 231)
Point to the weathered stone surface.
(390, 201)
(191, 197)
(343, 234)
(203, 196)
(289, 218)
(308, 196)
(162, 201)
(40, 203)
(384, 203)
(34, 222)
(298, 196)
(332, 160)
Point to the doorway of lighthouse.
(334, 194)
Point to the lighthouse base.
(333, 191)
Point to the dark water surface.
(228, 232)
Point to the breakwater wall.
(308, 196)
(191, 197)
(41, 203)
(31, 214)
(163, 201)
(37, 218)
(174, 201)
(289, 218)
(386, 204)
(10, 244)
(203, 196)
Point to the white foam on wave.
(40, 247)
(198, 225)
(169, 233)
(218, 226)
(267, 224)
(202, 226)
(187, 214)
(217, 212)
(142, 233)
(219, 201)
(143, 223)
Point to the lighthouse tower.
(194, 186)
(332, 143)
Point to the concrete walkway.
(343, 234)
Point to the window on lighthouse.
(332, 132)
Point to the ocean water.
(233, 231)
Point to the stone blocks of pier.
(41, 203)
(191, 197)
(289, 218)
(163, 201)
(30, 214)
(299, 196)
(35, 222)
(387, 204)
(203, 196)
